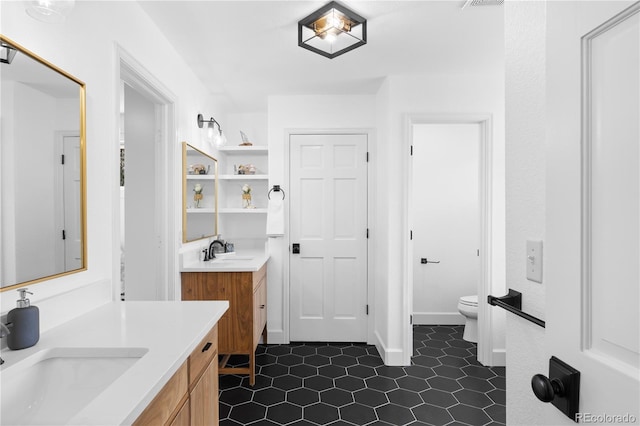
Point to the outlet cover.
(534, 261)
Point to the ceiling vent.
(482, 3)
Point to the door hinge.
(367, 233)
(62, 159)
(367, 156)
(411, 235)
(367, 308)
(411, 153)
(411, 319)
(478, 252)
(64, 235)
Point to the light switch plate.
(534, 261)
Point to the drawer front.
(203, 354)
(259, 310)
(166, 402)
(259, 276)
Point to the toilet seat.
(469, 300)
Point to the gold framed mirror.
(43, 233)
(199, 194)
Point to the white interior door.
(328, 219)
(592, 271)
(71, 194)
(446, 219)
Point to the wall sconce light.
(7, 53)
(54, 11)
(332, 30)
(218, 137)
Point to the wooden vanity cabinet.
(190, 397)
(244, 322)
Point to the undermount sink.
(53, 385)
(232, 259)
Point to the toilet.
(468, 306)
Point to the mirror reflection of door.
(70, 254)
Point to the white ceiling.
(247, 50)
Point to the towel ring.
(276, 188)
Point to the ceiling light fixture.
(332, 30)
(218, 137)
(54, 11)
(7, 53)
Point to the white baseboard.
(390, 356)
(438, 318)
(499, 358)
(276, 337)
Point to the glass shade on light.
(332, 31)
(54, 11)
(219, 139)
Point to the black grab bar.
(512, 302)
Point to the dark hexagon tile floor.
(347, 384)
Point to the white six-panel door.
(592, 252)
(328, 219)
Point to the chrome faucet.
(4, 331)
(212, 254)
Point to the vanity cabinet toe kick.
(241, 327)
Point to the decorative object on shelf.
(217, 137)
(197, 188)
(332, 30)
(246, 169)
(245, 139)
(246, 196)
(198, 169)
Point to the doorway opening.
(449, 166)
(144, 247)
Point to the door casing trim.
(131, 72)
(485, 335)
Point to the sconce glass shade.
(7, 53)
(332, 30)
(217, 137)
(54, 11)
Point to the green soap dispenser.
(24, 323)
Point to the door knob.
(295, 248)
(561, 388)
(545, 389)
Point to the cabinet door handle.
(206, 347)
(261, 306)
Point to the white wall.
(85, 46)
(141, 259)
(429, 94)
(446, 212)
(525, 52)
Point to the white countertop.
(169, 330)
(242, 261)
